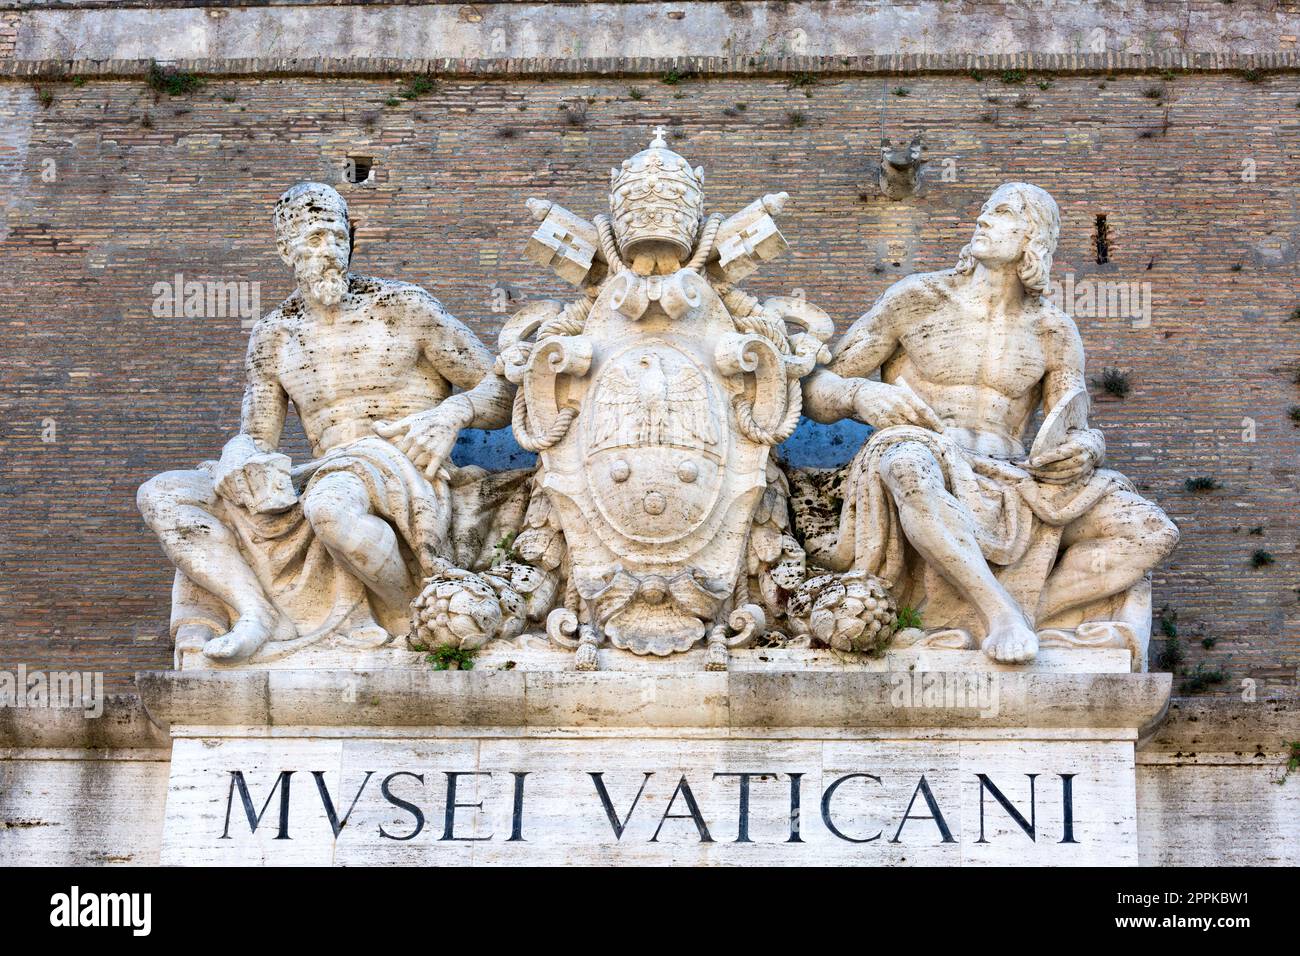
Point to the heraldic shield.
(654, 485)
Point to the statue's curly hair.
(1037, 206)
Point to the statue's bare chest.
(320, 362)
(1002, 352)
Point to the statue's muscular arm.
(1063, 353)
(842, 389)
(261, 416)
(265, 401)
(463, 361)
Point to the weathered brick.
(82, 583)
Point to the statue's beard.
(325, 281)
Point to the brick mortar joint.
(693, 66)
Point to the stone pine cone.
(848, 612)
(457, 608)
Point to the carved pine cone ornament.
(455, 608)
(847, 612)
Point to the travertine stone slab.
(736, 701)
(532, 652)
(503, 767)
(77, 807)
(540, 801)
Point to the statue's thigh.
(910, 467)
(337, 497)
(190, 487)
(1118, 514)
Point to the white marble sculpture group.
(657, 518)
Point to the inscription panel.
(647, 800)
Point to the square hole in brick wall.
(359, 169)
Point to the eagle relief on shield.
(653, 402)
(652, 444)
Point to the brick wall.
(8, 33)
(98, 393)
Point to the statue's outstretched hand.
(882, 405)
(427, 437)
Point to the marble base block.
(788, 768)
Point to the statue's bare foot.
(1011, 642)
(249, 633)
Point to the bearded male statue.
(337, 546)
(994, 543)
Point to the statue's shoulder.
(271, 327)
(391, 292)
(918, 294)
(1053, 321)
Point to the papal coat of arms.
(654, 402)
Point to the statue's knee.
(1149, 531)
(321, 510)
(1163, 534)
(160, 496)
(332, 508)
(910, 470)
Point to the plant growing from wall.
(503, 551)
(1113, 382)
(1292, 759)
(1201, 483)
(1203, 677)
(448, 658)
(173, 82)
(803, 81)
(417, 87)
(1261, 558)
(1171, 654)
(909, 617)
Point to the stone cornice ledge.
(761, 700)
(123, 725)
(884, 64)
(1228, 725)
